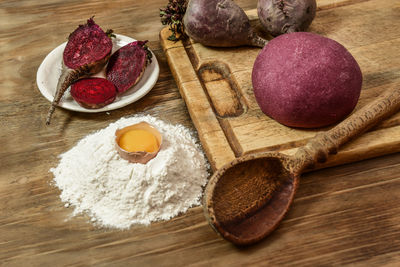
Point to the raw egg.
(138, 143)
(138, 140)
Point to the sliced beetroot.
(127, 65)
(219, 23)
(93, 92)
(87, 52)
(285, 16)
(87, 44)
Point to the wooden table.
(343, 215)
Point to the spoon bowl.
(248, 190)
(247, 199)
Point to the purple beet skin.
(127, 65)
(285, 16)
(93, 92)
(306, 80)
(219, 23)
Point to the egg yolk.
(138, 140)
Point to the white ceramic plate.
(50, 70)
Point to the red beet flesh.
(93, 92)
(127, 65)
(87, 44)
(306, 80)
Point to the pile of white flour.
(95, 180)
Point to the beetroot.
(93, 92)
(127, 65)
(86, 53)
(306, 80)
(285, 16)
(219, 23)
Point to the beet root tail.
(258, 41)
(68, 76)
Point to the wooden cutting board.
(216, 84)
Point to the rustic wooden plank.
(209, 129)
(177, 56)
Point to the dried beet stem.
(258, 41)
(110, 33)
(172, 15)
(149, 55)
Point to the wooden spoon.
(246, 199)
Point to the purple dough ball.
(305, 80)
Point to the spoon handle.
(324, 143)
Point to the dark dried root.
(172, 15)
(68, 77)
(149, 55)
(258, 41)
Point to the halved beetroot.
(86, 53)
(93, 92)
(86, 45)
(127, 65)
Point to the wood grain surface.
(341, 215)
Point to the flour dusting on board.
(95, 180)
